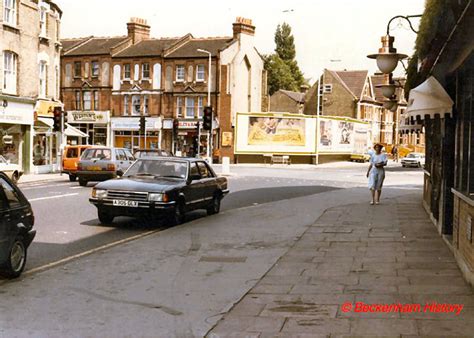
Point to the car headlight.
(99, 193)
(158, 197)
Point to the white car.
(13, 171)
(414, 160)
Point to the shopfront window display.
(10, 142)
(44, 149)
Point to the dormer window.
(9, 12)
(180, 73)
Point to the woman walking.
(376, 173)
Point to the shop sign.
(167, 124)
(133, 123)
(46, 108)
(16, 113)
(77, 116)
(187, 124)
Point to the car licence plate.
(125, 203)
(94, 168)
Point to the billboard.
(342, 136)
(275, 133)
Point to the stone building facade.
(166, 80)
(29, 83)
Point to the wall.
(340, 102)
(280, 102)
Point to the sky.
(333, 34)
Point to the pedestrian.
(376, 173)
(395, 153)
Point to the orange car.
(71, 156)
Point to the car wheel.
(215, 206)
(82, 182)
(403, 165)
(15, 177)
(105, 217)
(178, 215)
(72, 178)
(16, 259)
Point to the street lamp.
(209, 147)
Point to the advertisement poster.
(341, 136)
(276, 131)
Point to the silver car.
(103, 163)
(414, 160)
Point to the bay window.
(136, 104)
(125, 105)
(86, 100)
(96, 100)
(179, 106)
(200, 107)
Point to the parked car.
(103, 163)
(414, 160)
(161, 187)
(144, 153)
(16, 233)
(13, 171)
(360, 157)
(71, 157)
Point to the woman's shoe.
(377, 203)
(371, 202)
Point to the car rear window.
(72, 153)
(97, 154)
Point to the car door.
(208, 182)
(4, 221)
(193, 192)
(121, 160)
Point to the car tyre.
(105, 217)
(215, 206)
(403, 165)
(178, 215)
(16, 259)
(82, 182)
(72, 178)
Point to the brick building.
(29, 83)
(287, 101)
(166, 80)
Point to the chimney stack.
(138, 30)
(243, 26)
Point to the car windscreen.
(413, 155)
(140, 154)
(72, 153)
(158, 168)
(97, 154)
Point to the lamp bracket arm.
(407, 18)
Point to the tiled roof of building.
(295, 96)
(354, 80)
(378, 80)
(95, 46)
(189, 48)
(67, 44)
(152, 47)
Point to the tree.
(282, 67)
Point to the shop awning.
(428, 99)
(74, 132)
(46, 108)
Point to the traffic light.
(207, 118)
(57, 119)
(142, 124)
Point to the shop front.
(46, 142)
(189, 140)
(93, 125)
(16, 120)
(126, 133)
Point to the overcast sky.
(334, 34)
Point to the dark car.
(160, 187)
(146, 153)
(103, 163)
(16, 223)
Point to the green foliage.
(282, 68)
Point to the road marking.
(74, 188)
(51, 197)
(38, 186)
(89, 252)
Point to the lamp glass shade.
(387, 62)
(388, 91)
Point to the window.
(193, 170)
(9, 12)
(129, 155)
(327, 88)
(43, 22)
(125, 105)
(86, 100)
(145, 71)
(77, 69)
(120, 156)
(145, 105)
(136, 105)
(200, 107)
(10, 193)
(126, 71)
(78, 100)
(179, 106)
(9, 72)
(179, 73)
(200, 73)
(190, 107)
(95, 68)
(98, 153)
(42, 78)
(96, 100)
(204, 170)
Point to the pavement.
(354, 256)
